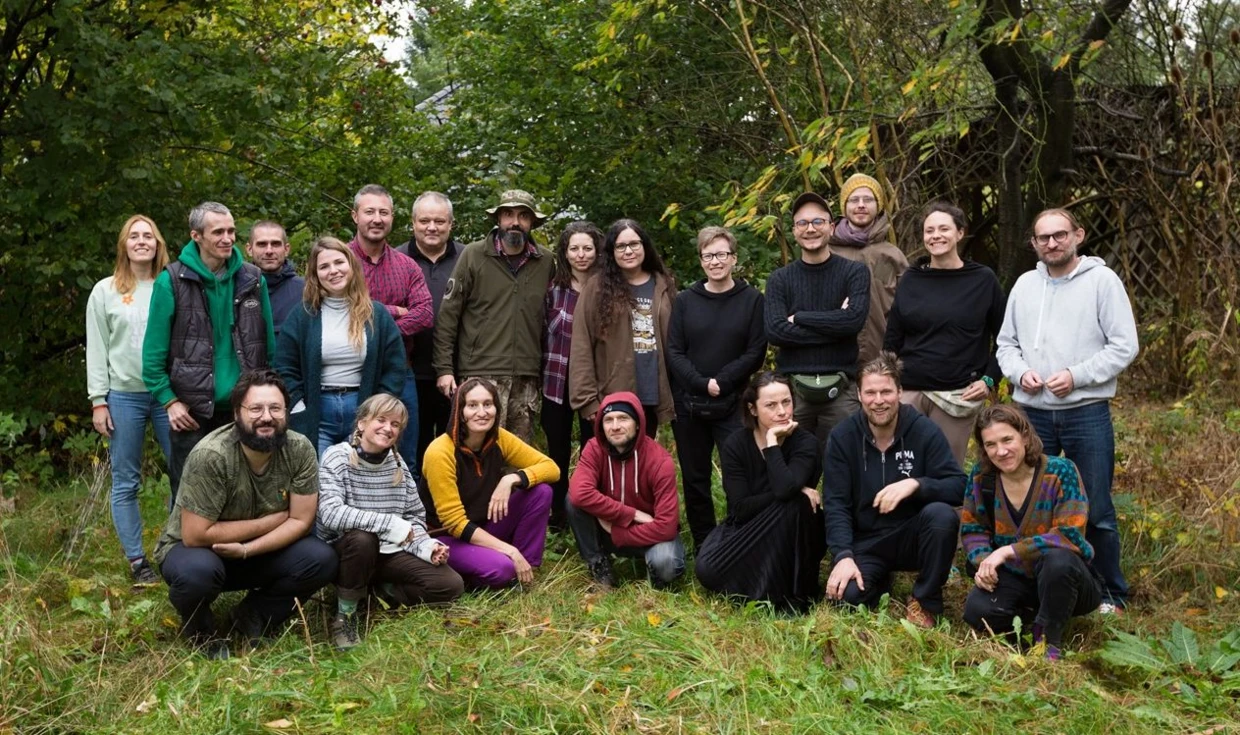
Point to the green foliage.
(1178, 664)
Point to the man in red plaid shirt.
(396, 282)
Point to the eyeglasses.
(817, 223)
(257, 411)
(629, 247)
(860, 200)
(1061, 236)
(721, 257)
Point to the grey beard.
(513, 238)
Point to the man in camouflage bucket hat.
(491, 319)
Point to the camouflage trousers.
(519, 399)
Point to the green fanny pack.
(820, 388)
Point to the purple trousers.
(525, 527)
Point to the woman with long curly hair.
(116, 315)
(576, 258)
(620, 330)
(338, 349)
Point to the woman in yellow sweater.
(497, 519)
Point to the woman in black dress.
(771, 543)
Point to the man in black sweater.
(815, 307)
(890, 491)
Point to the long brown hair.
(356, 295)
(1010, 414)
(615, 297)
(123, 278)
(455, 427)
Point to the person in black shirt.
(815, 308)
(771, 544)
(943, 324)
(890, 493)
(716, 340)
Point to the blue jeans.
(337, 418)
(409, 437)
(130, 414)
(1085, 436)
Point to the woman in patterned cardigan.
(1024, 529)
(371, 513)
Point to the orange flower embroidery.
(127, 299)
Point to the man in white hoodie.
(1067, 335)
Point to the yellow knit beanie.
(856, 181)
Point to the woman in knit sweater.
(122, 407)
(338, 349)
(620, 329)
(771, 544)
(1023, 527)
(370, 511)
(497, 518)
(943, 323)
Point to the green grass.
(82, 652)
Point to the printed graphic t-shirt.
(645, 345)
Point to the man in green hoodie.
(210, 319)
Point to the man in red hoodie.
(622, 497)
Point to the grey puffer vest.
(191, 349)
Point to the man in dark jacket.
(890, 491)
(491, 321)
(622, 497)
(435, 252)
(268, 249)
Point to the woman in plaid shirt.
(575, 259)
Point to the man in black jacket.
(268, 248)
(890, 491)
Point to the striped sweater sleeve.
(422, 545)
(1062, 525)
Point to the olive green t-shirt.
(218, 485)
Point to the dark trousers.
(557, 424)
(197, 575)
(665, 561)
(925, 544)
(696, 440)
(181, 442)
(1086, 436)
(652, 424)
(1063, 586)
(434, 412)
(415, 581)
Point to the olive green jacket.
(491, 322)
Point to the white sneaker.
(1110, 608)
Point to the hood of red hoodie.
(623, 396)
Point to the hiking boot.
(343, 630)
(1052, 653)
(604, 576)
(142, 573)
(211, 645)
(247, 624)
(917, 615)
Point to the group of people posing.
(371, 425)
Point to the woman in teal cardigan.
(338, 349)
